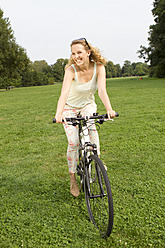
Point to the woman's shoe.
(74, 189)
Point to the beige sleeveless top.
(82, 94)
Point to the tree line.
(16, 68)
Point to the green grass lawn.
(36, 208)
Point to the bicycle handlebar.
(95, 116)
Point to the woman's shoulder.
(69, 73)
(100, 68)
(70, 69)
(99, 65)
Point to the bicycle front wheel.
(99, 196)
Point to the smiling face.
(79, 54)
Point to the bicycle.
(93, 178)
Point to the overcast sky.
(45, 28)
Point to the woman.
(84, 73)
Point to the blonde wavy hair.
(95, 52)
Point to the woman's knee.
(73, 145)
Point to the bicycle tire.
(100, 208)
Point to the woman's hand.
(60, 118)
(111, 114)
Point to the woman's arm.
(102, 92)
(68, 78)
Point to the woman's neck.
(85, 67)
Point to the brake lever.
(100, 121)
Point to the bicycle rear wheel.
(99, 196)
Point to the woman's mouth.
(78, 60)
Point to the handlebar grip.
(54, 120)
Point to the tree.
(140, 69)
(155, 53)
(127, 69)
(58, 69)
(6, 35)
(118, 70)
(43, 67)
(13, 58)
(110, 70)
(40, 65)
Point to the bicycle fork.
(89, 181)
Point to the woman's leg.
(72, 151)
(73, 142)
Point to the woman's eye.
(74, 54)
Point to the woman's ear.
(89, 53)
